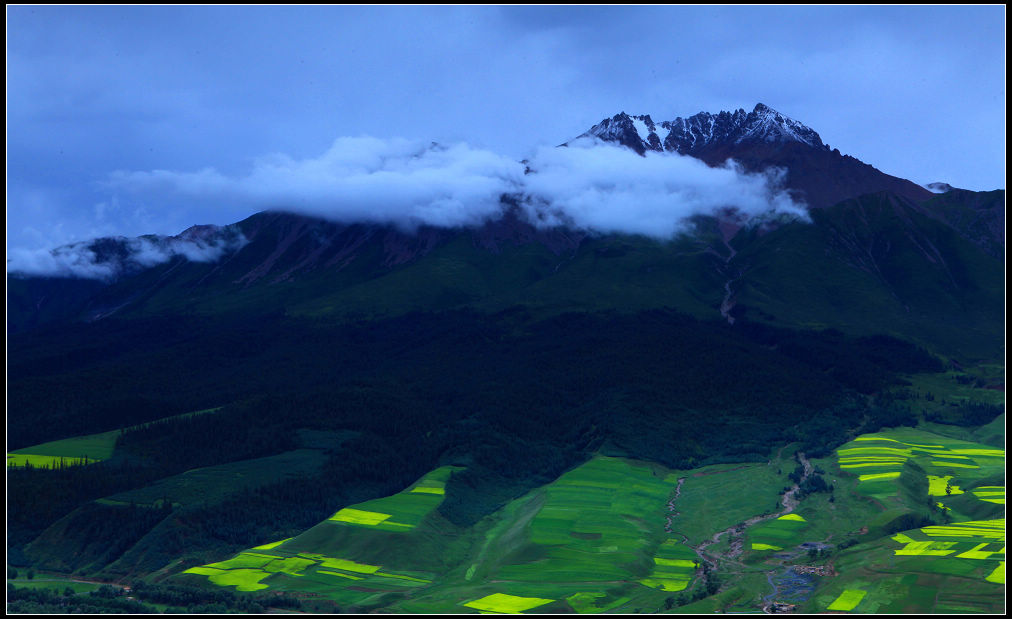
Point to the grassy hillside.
(876, 265)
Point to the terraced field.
(955, 567)
(675, 567)
(591, 541)
(595, 540)
(337, 558)
(936, 569)
(949, 465)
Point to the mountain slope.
(875, 264)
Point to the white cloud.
(590, 185)
(606, 188)
(358, 179)
(87, 260)
(67, 261)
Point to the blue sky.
(96, 94)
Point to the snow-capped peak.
(683, 135)
(640, 133)
(769, 125)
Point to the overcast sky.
(96, 95)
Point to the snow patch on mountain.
(642, 130)
(938, 187)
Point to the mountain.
(510, 416)
(759, 140)
(871, 235)
(860, 259)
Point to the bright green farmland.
(591, 541)
(974, 540)
(945, 568)
(594, 541)
(341, 579)
(950, 464)
(990, 494)
(849, 599)
(336, 559)
(402, 511)
(502, 603)
(674, 567)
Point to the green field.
(779, 533)
(77, 450)
(879, 460)
(58, 584)
(849, 599)
(327, 560)
(593, 540)
(956, 566)
(720, 496)
(402, 511)
(938, 569)
(675, 567)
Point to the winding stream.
(786, 586)
(728, 304)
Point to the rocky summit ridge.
(688, 135)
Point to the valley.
(603, 538)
